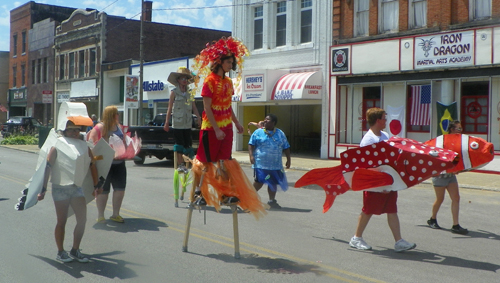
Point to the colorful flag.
(396, 121)
(2, 108)
(446, 114)
(421, 105)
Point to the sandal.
(101, 220)
(118, 219)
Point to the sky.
(178, 12)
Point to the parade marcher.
(448, 182)
(94, 122)
(117, 176)
(375, 202)
(63, 162)
(181, 107)
(213, 158)
(266, 147)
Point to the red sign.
(474, 110)
(46, 91)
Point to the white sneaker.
(403, 245)
(359, 243)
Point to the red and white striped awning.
(306, 85)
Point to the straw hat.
(181, 71)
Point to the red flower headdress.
(212, 55)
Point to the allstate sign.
(153, 86)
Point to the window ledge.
(475, 23)
(284, 48)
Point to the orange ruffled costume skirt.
(234, 184)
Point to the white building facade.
(460, 68)
(287, 71)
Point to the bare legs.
(258, 186)
(102, 200)
(452, 189)
(80, 208)
(392, 220)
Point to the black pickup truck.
(156, 141)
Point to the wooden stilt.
(234, 208)
(188, 226)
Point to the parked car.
(156, 141)
(20, 125)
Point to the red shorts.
(211, 149)
(380, 203)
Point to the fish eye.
(474, 145)
(433, 153)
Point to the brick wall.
(161, 41)
(442, 15)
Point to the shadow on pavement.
(131, 225)
(100, 264)
(423, 256)
(472, 233)
(269, 265)
(434, 258)
(3, 199)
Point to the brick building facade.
(89, 39)
(386, 52)
(22, 98)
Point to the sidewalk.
(469, 180)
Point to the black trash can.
(43, 132)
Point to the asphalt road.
(295, 244)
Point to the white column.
(447, 92)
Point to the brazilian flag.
(446, 114)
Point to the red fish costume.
(473, 152)
(393, 165)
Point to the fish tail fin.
(321, 177)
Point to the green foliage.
(20, 139)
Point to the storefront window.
(371, 98)
(474, 107)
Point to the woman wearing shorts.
(449, 183)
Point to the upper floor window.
(258, 27)
(45, 75)
(81, 63)
(14, 76)
(39, 71)
(24, 42)
(388, 16)
(61, 67)
(33, 71)
(92, 62)
(71, 65)
(305, 21)
(361, 17)
(281, 23)
(14, 47)
(418, 13)
(479, 9)
(23, 75)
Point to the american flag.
(421, 105)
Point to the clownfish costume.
(473, 152)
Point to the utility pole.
(141, 73)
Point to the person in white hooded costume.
(68, 163)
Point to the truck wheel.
(142, 158)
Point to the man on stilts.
(213, 164)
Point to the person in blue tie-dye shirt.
(266, 147)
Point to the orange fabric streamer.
(234, 184)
